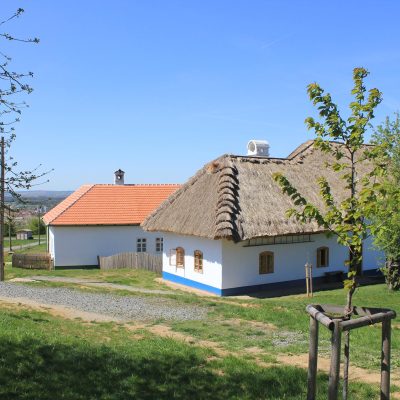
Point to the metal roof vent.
(119, 177)
(259, 148)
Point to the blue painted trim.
(188, 282)
(273, 287)
(264, 287)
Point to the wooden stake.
(385, 360)
(312, 360)
(2, 189)
(346, 364)
(335, 361)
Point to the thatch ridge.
(235, 197)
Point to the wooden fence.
(145, 261)
(32, 261)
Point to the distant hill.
(32, 199)
(53, 194)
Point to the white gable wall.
(212, 259)
(80, 245)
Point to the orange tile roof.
(109, 205)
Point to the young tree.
(34, 225)
(348, 218)
(343, 139)
(12, 87)
(386, 219)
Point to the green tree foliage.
(7, 226)
(343, 139)
(34, 224)
(386, 219)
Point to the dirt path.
(301, 360)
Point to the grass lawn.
(43, 357)
(17, 242)
(259, 329)
(42, 248)
(143, 279)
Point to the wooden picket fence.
(32, 261)
(145, 261)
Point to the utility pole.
(2, 190)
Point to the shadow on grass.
(32, 370)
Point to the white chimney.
(119, 177)
(259, 148)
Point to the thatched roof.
(236, 197)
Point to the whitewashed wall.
(80, 245)
(371, 257)
(212, 258)
(241, 264)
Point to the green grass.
(130, 277)
(230, 322)
(17, 242)
(42, 248)
(42, 357)
(288, 315)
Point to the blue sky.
(160, 87)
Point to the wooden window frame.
(267, 266)
(141, 245)
(159, 245)
(319, 258)
(180, 257)
(198, 261)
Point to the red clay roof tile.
(109, 205)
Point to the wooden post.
(307, 280)
(312, 360)
(310, 277)
(334, 372)
(346, 364)
(39, 223)
(2, 189)
(385, 360)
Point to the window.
(198, 261)
(180, 257)
(159, 245)
(266, 262)
(322, 257)
(270, 240)
(141, 245)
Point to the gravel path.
(122, 307)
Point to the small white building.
(24, 234)
(225, 230)
(103, 220)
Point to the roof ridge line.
(78, 198)
(137, 184)
(182, 189)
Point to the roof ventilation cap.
(259, 148)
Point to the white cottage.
(225, 230)
(102, 220)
